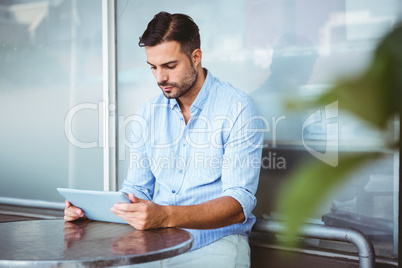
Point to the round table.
(86, 243)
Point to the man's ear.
(196, 57)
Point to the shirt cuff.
(137, 193)
(245, 198)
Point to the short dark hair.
(165, 27)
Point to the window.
(51, 63)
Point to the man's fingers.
(132, 198)
(116, 211)
(120, 213)
(135, 199)
(69, 218)
(72, 208)
(79, 212)
(130, 207)
(72, 213)
(132, 218)
(124, 207)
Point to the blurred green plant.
(374, 96)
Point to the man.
(199, 142)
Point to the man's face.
(174, 72)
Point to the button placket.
(181, 159)
(183, 155)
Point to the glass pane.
(275, 51)
(50, 61)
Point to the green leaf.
(310, 184)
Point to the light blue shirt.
(217, 153)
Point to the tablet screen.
(95, 204)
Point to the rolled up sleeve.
(140, 180)
(242, 157)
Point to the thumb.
(134, 199)
(68, 204)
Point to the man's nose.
(161, 75)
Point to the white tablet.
(95, 204)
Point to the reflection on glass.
(50, 61)
(291, 67)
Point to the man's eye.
(171, 66)
(153, 68)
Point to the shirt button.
(181, 171)
(173, 191)
(184, 145)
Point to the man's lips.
(166, 89)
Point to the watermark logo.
(330, 131)
(321, 126)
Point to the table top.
(86, 243)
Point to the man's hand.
(71, 213)
(216, 213)
(142, 214)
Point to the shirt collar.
(173, 103)
(202, 96)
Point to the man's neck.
(187, 100)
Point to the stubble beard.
(181, 88)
